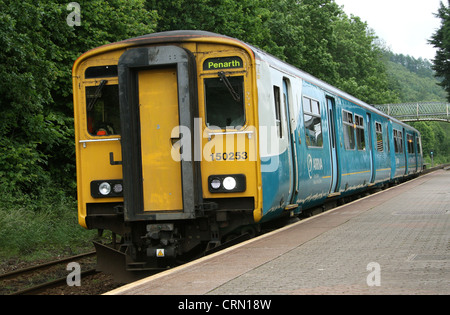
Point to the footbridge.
(417, 111)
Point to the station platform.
(396, 241)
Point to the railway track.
(39, 278)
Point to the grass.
(39, 227)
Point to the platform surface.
(393, 242)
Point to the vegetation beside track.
(40, 226)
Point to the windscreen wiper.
(97, 94)
(230, 88)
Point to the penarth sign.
(223, 63)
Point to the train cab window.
(224, 99)
(379, 132)
(313, 122)
(349, 130)
(101, 72)
(360, 137)
(398, 141)
(102, 107)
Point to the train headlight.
(229, 183)
(215, 183)
(118, 188)
(104, 188)
(107, 188)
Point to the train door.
(161, 174)
(156, 102)
(416, 152)
(371, 149)
(292, 140)
(405, 151)
(419, 154)
(334, 159)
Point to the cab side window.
(102, 108)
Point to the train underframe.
(141, 248)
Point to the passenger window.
(379, 132)
(410, 144)
(398, 141)
(224, 98)
(360, 137)
(349, 130)
(313, 122)
(102, 108)
(276, 93)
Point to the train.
(188, 140)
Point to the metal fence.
(417, 111)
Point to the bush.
(40, 226)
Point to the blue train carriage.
(289, 140)
(326, 143)
(406, 151)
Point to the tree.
(361, 70)
(244, 19)
(441, 41)
(37, 51)
(413, 79)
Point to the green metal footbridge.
(407, 112)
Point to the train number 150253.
(231, 156)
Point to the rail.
(38, 278)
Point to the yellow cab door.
(156, 101)
(158, 107)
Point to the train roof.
(285, 67)
(190, 35)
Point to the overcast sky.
(404, 25)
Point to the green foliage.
(415, 81)
(436, 139)
(37, 51)
(441, 40)
(361, 69)
(39, 225)
(245, 19)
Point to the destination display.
(223, 63)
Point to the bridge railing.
(417, 111)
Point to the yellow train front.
(167, 146)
